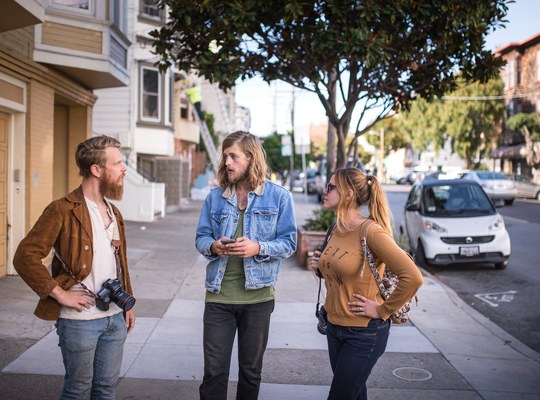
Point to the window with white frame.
(150, 94)
(170, 99)
(118, 14)
(150, 9)
(184, 106)
(510, 76)
(82, 6)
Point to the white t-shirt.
(103, 265)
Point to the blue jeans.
(220, 324)
(92, 353)
(353, 353)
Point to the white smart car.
(454, 222)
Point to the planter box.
(308, 241)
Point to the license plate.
(469, 251)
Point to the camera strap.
(68, 271)
(319, 274)
(115, 243)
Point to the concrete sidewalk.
(447, 351)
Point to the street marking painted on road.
(493, 299)
(412, 374)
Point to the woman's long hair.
(366, 189)
(252, 148)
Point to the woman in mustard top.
(358, 317)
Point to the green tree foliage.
(529, 125)
(396, 136)
(376, 55)
(526, 122)
(470, 116)
(277, 162)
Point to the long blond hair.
(252, 148)
(366, 188)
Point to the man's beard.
(235, 178)
(110, 189)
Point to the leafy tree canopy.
(470, 116)
(277, 162)
(396, 135)
(377, 54)
(531, 122)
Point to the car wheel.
(420, 256)
(509, 202)
(501, 265)
(538, 196)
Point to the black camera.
(111, 290)
(322, 324)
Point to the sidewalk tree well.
(375, 55)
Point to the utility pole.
(381, 167)
(291, 165)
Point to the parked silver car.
(525, 187)
(496, 185)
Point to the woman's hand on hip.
(362, 306)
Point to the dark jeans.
(220, 324)
(353, 353)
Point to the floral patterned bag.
(387, 285)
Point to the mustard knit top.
(346, 271)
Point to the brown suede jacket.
(65, 225)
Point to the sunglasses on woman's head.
(330, 187)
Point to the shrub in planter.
(321, 220)
(311, 234)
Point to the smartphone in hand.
(227, 241)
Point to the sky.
(271, 105)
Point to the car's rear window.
(490, 175)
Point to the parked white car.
(496, 185)
(454, 222)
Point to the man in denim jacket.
(246, 227)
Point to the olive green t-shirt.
(233, 286)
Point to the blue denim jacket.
(269, 219)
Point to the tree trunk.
(331, 142)
(331, 150)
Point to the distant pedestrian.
(358, 317)
(195, 97)
(89, 291)
(246, 227)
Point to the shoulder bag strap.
(371, 261)
(319, 275)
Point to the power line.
(484, 98)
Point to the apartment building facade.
(53, 54)
(152, 117)
(521, 76)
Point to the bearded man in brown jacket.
(87, 235)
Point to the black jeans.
(353, 353)
(220, 324)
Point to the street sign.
(286, 146)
